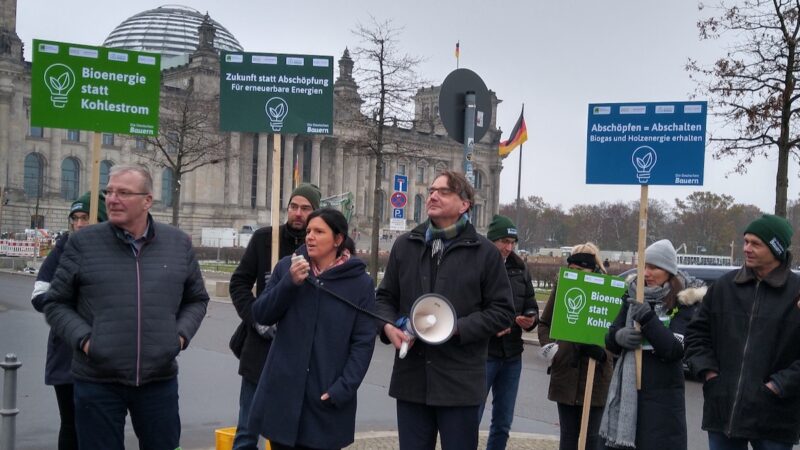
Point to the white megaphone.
(432, 319)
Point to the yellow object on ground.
(224, 438)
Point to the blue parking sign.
(659, 143)
(398, 213)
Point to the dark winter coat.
(59, 353)
(256, 263)
(471, 275)
(749, 332)
(510, 345)
(133, 308)
(322, 345)
(568, 367)
(661, 413)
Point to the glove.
(266, 331)
(595, 352)
(628, 338)
(641, 312)
(549, 351)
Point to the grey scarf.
(618, 426)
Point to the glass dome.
(170, 30)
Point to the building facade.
(42, 170)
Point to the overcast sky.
(554, 56)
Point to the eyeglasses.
(304, 208)
(121, 194)
(77, 219)
(443, 191)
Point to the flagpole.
(519, 179)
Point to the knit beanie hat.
(663, 255)
(775, 231)
(501, 227)
(310, 192)
(83, 203)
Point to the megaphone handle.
(403, 349)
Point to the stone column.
(6, 96)
(316, 141)
(232, 170)
(263, 154)
(338, 166)
(288, 167)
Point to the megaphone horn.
(433, 319)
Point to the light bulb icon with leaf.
(59, 79)
(576, 300)
(276, 109)
(644, 159)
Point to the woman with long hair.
(655, 416)
(306, 397)
(569, 362)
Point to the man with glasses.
(251, 341)
(127, 297)
(439, 388)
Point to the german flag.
(518, 135)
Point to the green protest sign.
(94, 88)
(275, 93)
(585, 306)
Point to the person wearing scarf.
(439, 388)
(306, 395)
(569, 363)
(655, 416)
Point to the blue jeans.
(100, 410)
(718, 441)
(502, 378)
(245, 438)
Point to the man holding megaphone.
(447, 290)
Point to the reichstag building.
(42, 170)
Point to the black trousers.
(67, 437)
(276, 446)
(418, 424)
(570, 418)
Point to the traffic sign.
(401, 183)
(398, 213)
(398, 200)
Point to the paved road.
(209, 383)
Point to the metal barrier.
(9, 411)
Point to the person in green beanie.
(504, 364)
(743, 344)
(59, 354)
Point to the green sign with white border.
(586, 304)
(276, 93)
(82, 87)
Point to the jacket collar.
(776, 278)
(468, 234)
(149, 233)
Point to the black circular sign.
(452, 103)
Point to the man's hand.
(182, 341)
(503, 332)
(710, 375)
(771, 386)
(86, 347)
(525, 322)
(397, 336)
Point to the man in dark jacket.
(439, 388)
(743, 343)
(127, 297)
(504, 365)
(250, 342)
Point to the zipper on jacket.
(738, 392)
(138, 321)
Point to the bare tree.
(753, 87)
(188, 137)
(387, 82)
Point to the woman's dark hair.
(337, 223)
(675, 286)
